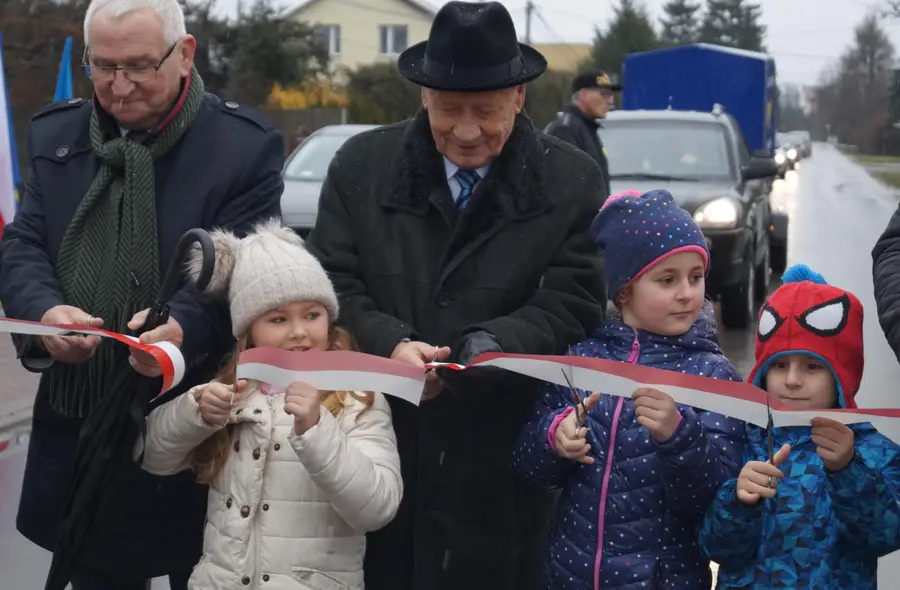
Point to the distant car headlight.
(719, 213)
(779, 158)
(792, 154)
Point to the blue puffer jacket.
(821, 531)
(629, 521)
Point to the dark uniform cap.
(594, 79)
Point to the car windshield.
(311, 161)
(666, 150)
(782, 139)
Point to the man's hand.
(302, 401)
(143, 362)
(834, 442)
(757, 478)
(70, 349)
(419, 353)
(216, 400)
(657, 412)
(569, 440)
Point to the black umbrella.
(107, 437)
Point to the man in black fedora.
(464, 230)
(593, 96)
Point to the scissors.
(770, 443)
(577, 401)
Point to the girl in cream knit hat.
(296, 477)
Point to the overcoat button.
(228, 503)
(265, 507)
(62, 151)
(231, 104)
(245, 580)
(74, 100)
(256, 453)
(265, 577)
(277, 446)
(245, 511)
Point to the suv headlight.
(779, 158)
(720, 213)
(792, 154)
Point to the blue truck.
(698, 77)
(699, 121)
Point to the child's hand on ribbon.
(657, 412)
(302, 401)
(216, 400)
(834, 442)
(569, 440)
(759, 479)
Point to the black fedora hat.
(472, 47)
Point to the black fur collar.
(516, 177)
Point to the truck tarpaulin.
(699, 76)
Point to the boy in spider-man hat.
(836, 509)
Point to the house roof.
(564, 57)
(419, 5)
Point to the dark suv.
(703, 160)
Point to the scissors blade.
(577, 400)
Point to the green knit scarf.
(108, 262)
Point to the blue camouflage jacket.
(629, 521)
(822, 530)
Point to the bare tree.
(853, 98)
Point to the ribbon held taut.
(356, 371)
(166, 354)
(361, 372)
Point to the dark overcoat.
(519, 264)
(224, 172)
(574, 127)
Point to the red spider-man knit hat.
(806, 315)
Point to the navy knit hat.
(636, 231)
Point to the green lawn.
(891, 178)
(877, 159)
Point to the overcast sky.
(804, 36)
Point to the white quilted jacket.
(288, 512)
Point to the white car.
(304, 172)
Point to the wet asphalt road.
(837, 212)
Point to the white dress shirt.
(455, 187)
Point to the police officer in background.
(593, 95)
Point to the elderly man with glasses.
(113, 184)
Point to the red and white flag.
(7, 167)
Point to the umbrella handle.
(159, 312)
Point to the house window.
(394, 39)
(329, 37)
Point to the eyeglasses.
(135, 74)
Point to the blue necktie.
(467, 180)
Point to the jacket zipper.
(610, 457)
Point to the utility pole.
(529, 9)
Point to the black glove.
(473, 345)
(475, 380)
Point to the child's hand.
(569, 441)
(834, 442)
(758, 479)
(656, 411)
(216, 400)
(302, 401)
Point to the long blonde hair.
(211, 456)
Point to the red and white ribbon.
(355, 371)
(362, 372)
(166, 354)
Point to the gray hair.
(169, 12)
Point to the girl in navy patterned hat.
(637, 474)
